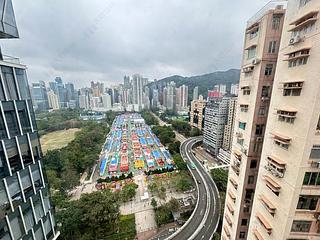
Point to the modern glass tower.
(25, 209)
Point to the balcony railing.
(269, 6)
(274, 171)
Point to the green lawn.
(57, 139)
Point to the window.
(304, 2)
(276, 19)
(301, 226)
(35, 145)
(311, 179)
(253, 33)
(9, 82)
(3, 132)
(249, 194)
(251, 180)
(22, 83)
(292, 88)
(308, 202)
(11, 118)
(23, 116)
(4, 201)
(252, 52)
(242, 235)
(16, 225)
(268, 70)
(286, 116)
(28, 215)
(242, 125)
(4, 171)
(315, 152)
(246, 91)
(25, 150)
(262, 111)
(318, 125)
(253, 163)
(244, 222)
(298, 58)
(272, 47)
(257, 147)
(2, 96)
(13, 154)
(259, 129)
(265, 91)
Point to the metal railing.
(269, 6)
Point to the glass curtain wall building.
(25, 208)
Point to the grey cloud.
(103, 40)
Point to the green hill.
(204, 82)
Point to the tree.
(220, 177)
(94, 216)
(180, 164)
(174, 147)
(153, 187)
(184, 184)
(195, 132)
(154, 203)
(162, 193)
(128, 192)
(174, 205)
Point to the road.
(204, 221)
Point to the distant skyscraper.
(228, 129)
(25, 208)
(234, 89)
(70, 91)
(171, 96)
(155, 98)
(53, 100)
(106, 102)
(137, 90)
(39, 96)
(126, 82)
(195, 93)
(182, 97)
(214, 123)
(197, 112)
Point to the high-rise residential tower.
(262, 41)
(25, 208)
(182, 97)
(287, 199)
(171, 96)
(137, 91)
(197, 112)
(195, 94)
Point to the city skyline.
(102, 51)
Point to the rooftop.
(272, 5)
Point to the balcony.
(233, 182)
(281, 140)
(275, 166)
(257, 234)
(272, 184)
(304, 21)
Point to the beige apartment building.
(197, 112)
(286, 203)
(228, 128)
(262, 40)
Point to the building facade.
(39, 96)
(195, 94)
(228, 128)
(216, 114)
(26, 211)
(197, 112)
(262, 40)
(287, 200)
(137, 91)
(53, 100)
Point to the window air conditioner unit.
(318, 164)
(295, 40)
(256, 61)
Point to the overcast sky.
(103, 40)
